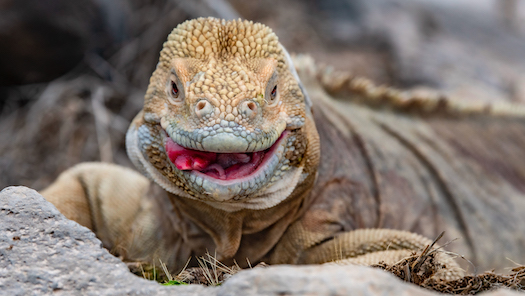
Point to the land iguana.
(253, 161)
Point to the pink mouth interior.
(224, 166)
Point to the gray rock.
(318, 280)
(325, 280)
(42, 252)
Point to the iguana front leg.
(358, 247)
(120, 207)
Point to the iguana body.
(243, 163)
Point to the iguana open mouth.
(222, 166)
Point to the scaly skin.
(323, 194)
(225, 73)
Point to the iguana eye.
(273, 94)
(174, 90)
(272, 98)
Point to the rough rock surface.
(325, 280)
(42, 252)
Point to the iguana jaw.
(273, 181)
(210, 177)
(226, 169)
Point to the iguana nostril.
(248, 109)
(203, 108)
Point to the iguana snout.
(222, 105)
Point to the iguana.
(251, 160)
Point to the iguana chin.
(228, 139)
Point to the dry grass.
(420, 269)
(211, 272)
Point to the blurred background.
(73, 73)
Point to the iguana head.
(224, 118)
